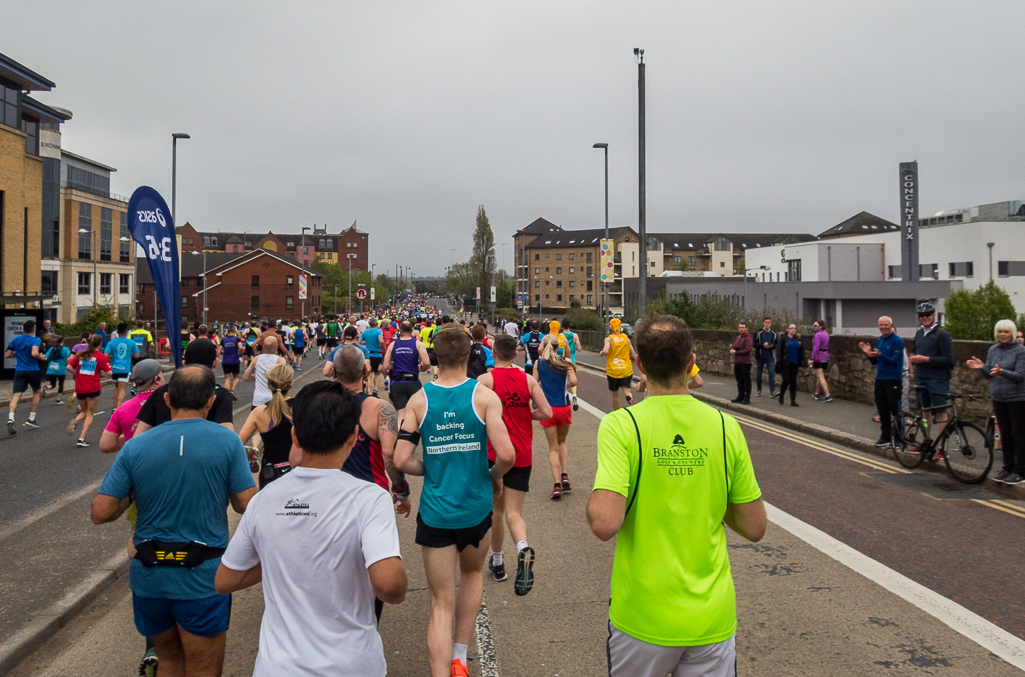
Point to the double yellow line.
(1003, 506)
(829, 449)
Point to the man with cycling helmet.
(933, 360)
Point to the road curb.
(46, 624)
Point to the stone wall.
(850, 375)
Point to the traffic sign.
(361, 294)
(373, 293)
(493, 290)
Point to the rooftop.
(27, 79)
(861, 223)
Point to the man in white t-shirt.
(324, 544)
(362, 324)
(511, 329)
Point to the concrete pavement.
(801, 611)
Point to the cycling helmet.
(926, 308)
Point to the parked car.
(627, 329)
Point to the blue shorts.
(23, 380)
(931, 392)
(207, 617)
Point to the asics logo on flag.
(152, 216)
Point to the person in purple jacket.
(742, 348)
(820, 361)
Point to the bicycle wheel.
(967, 453)
(907, 447)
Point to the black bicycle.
(966, 449)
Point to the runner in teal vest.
(454, 419)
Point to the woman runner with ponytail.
(556, 374)
(274, 423)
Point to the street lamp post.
(302, 309)
(174, 171)
(746, 271)
(642, 282)
(605, 287)
(336, 299)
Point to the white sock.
(497, 559)
(520, 545)
(32, 416)
(10, 416)
(459, 653)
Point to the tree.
(972, 314)
(460, 280)
(482, 261)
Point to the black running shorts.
(430, 537)
(230, 368)
(401, 391)
(516, 478)
(617, 383)
(375, 364)
(433, 358)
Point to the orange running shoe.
(458, 669)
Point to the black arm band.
(401, 490)
(411, 437)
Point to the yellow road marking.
(1013, 506)
(993, 504)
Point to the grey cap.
(145, 372)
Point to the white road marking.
(971, 625)
(485, 641)
(967, 623)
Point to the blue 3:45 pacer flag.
(149, 222)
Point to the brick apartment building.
(350, 245)
(251, 286)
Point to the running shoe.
(234, 396)
(829, 398)
(458, 669)
(576, 406)
(1014, 478)
(629, 400)
(938, 457)
(387, 383)
(10, 427)
(71, 401)
(566, 488)
(81, 442)
(524, 572)
(148, 666)
(30, 424)
(557, 492)
(882, 442)
(375, 392)
(71, 427)
(758, 394)
(1001, 476)
(59, 401)
(815, 396)
(497, 570)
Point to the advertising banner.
(909, 221)
(302, 287)
(149, 222)
(606, 261)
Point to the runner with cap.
(619, 366)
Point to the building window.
(722, 264)
(547, 282)
(537, 257)
(125, 244)
(31, 128)
(291, 255)
(1010, 268)
(289, 302)
(590, 299)
(48, 285)
(558, 297)
(558, 271)
(893, 272)
(85, 222)
(794, 270)
(721, 244)
(185, 302)
(537, 283)
(547, 255)
(124, 284)
(213, 241)
(537, 271)
(106, 234)
(928, 270)
(677, 260)
(590, 286)
(589, 254)
(590, 271)
(690, 260)
(537, 297)
(254, 303)
(558, 257)
(256, 282)
(9, 104)
(206, 241)
(966, 269)
(571, 283)
(558, 283)
(106, 284)
(85, 283)
(571, 256)
(289, 281)
(571, 270)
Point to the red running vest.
(511, 388)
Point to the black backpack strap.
(725, 464)
(640, 460)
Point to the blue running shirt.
(457, 485)
(121, 351)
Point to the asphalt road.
(804, 608)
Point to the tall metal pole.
(174, 177)
(206, 284)
(642, 282)
(605, 286)
(96, 279)
(349, 303)
(336, 299)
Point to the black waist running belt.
(188, 554)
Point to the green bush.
(583, 319)
(708, 311)
(972, 314)
(90, 322)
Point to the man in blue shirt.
(26, 348)
(888, 356)
(121, 351)
(372, 336)
(102, 331)
(182, 475)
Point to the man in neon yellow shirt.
(673, 602)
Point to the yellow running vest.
(619, 365)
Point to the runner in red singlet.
(516, 390)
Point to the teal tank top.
(457, 485)
(572, 345)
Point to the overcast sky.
(405, 116)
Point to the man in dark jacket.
(742, 348)
(933, 360)
(765, 349)
(888, 356)
(789, 359)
